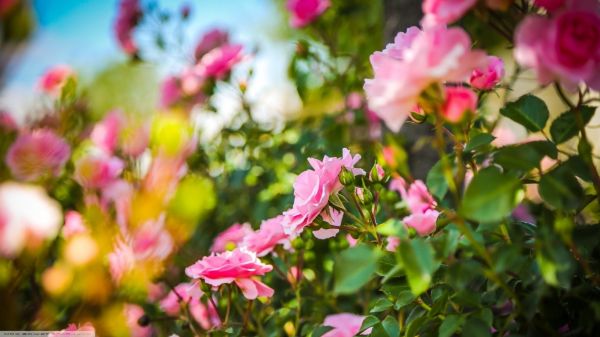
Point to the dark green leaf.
(419, 264)
(353, 268)
(529, 111)
(479, 140)
(450, 325)
(476, 327)
(320, 331)
(368, 322)
(390, 325)
(560, 189)
(525, 156)
(381, 304)
(565, 126)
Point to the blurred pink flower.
(73, 224)
(305, 11)
(55, 78)
(344, 325)
(416, 60)
(354, 100)
(152, 241)
(418, 197)
(133, 313)
(128, 17)
(564, 47)
(190, 294)
(238, 266)
(423, 222)
(121, 260)
(212, 39)
(550, 5)
(444, 12)
(27, 217)
(134, 138)
(37, 154)
(392, 243)
(118, 193)
(97, 169)
(105, 134)
(170, 92)
(231, 238)
(267, 237)
(458, 102)
(218, 62)
(7, 122)
(332, 217)
(488, 77)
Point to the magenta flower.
(550, 5)
(190, 294)
(267, 237)
(37, 154)
(97, 169)
(55, 78)
(458, 102)
(344, 325)
(128, 17)
(488, 77)
(218, 62)
(564, 47)
(238, 266)
(231, 238)
(305, 11)
(444, 12)
(170, 92)
(212, 39)
(416, 60)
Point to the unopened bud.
(377, 174)
(346, 177)
(364, 196)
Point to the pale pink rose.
(37, 154)
(351, 240)
(392, 243)
(128, 17)
(238, 266)
(97, 169)
(105, 134)
(170, 92)
(73, 224)
(344, 325)
(305, 11)
(399, 185)
(418, 198)
(458, 102)
(212, 39)
(190, 294)
(564, 47)
(133, 313)
(27, 217)
(267, 237)
(55, 78)
(75, 331)
(121, 260)
(7, 122)
(416, 60)
(333, 217)
(152, 241)
(354, 100)
(444, 12)
(550, 5)
(423, 222)
(231, 238)
(330, 167)
(488, 77)
(218, 62)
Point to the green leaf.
(491, 196)
(450, 325)
(368, 322)
(320, 331)
(529, 111)
(560, 189)
(381, 304)
(419, 264)
(478, 141)
(476, 327)
(553, 258)
(353, 268)
(565, 126)
(436, 183)
(405, 297)
(525, 156)
(390, 325)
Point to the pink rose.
(132, 314)
(334, 218)
(128, 16)
(55, 78)
(75, 331)
(267, 237)
(73, 224)
(392, 244)
(37, 154)
(97, 169)
(550, 5)
(218, 62)
(7, 121)
(344, 325)
(27, 217)
(458, 102)
(170, 92)
(417, 196)
(152, 241)
(416, 60)
(444, 12)
(105, 134)
(423, 222)
(121, 260)
(305, 11)
(134, 139)
(190, 294)
(230, 238)
(212, 39)
(564, 47)
(488, 77)
(238, 266)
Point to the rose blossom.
(443, 12)
(212, 39)
(133, 313)
(392, 243)
(128, 16)
(416, 60)
(121, 260)
(170, 92)
(190, 294)
(105, 134)
(344, 325)
(152, 241)
(218, 62)
(36, 154)
(230, 238)
(550, 5)
(73, 224)
(564, 47)
(488, 77)
(305, 11)
(239, 266)
(269, 235)
(423, 222)
(55, 78)
(333, 217)
(97, 169)
(458, 102)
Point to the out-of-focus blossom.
(27, 217)
(354, 100)
(267, 237)
(212, 39)
(415, 61)
(488, 77)
(231, 238)
(133, 313)
(55, 78)
(550, 5)
(333, 217)
(458, 102)
(422, 222)
(304, 12)
(97, 169)
(444, 12)
(36, 154)
(121, 260)
(119, 194)
(190, 294)
(170, 91)
(73, 224)
(564, 47)
(420, 203)
(81, 250)
(351, 240)
(134, 139)
(218, 62)
(392, 243)
(105, 134)
(128, 16)
(7, 122)
(344, 325)
(238, 266)
(152, 241)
